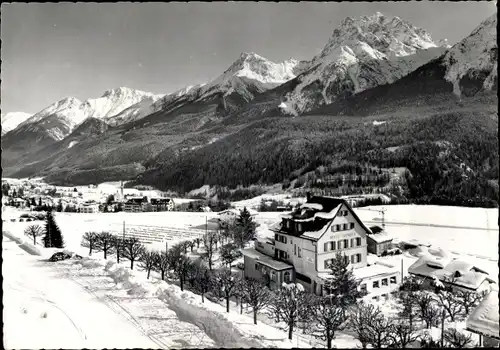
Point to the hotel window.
(352, 259)
(337, 228)
(393, 280)
(351, 225)
(284, 239)
(326, 246)
(358, 242)
(346, 243)
(334, 228)
(273, 276)
(358, 258)
(376, 284)
(300, 256)
(295, 249)
(363, 287)
(299, 227)
(384, 282)
(352, 242)
(332, 245)
(346, 227)
(339, 245)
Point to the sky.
(52, 51)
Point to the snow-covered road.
(46, 308)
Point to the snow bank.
(226, 329)
(22, 243)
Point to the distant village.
(38, 196)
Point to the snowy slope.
(11, 120)
(57, 120)
(114, 101)
(361, 54)
(475, 55)
(135, 112)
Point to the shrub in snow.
(456, 339)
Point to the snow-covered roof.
(445, 269)
(365, 272)
(266, 260)
(484, 318)
(380, 237)
(315, 206)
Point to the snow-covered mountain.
(114, 101)
(475, 57)
(363, 53)
(254, 69)
(11, 120)
(58, 119)
(135, 112)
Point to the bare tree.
(117, 243)
(432, 315)
(193, 271)
(132, 250)
(204, 281)
(360, 319)
(181, 268)
(34, 231)
(403, 334)
(273, 309)
(456, 339)
(256, 294)
(450, 302)
(228, 284)
(408, 304)
(104, 242)
(191, 245)
(291, 298)
(209, 240)
(89, 240)
(329, 318)
(469, 300)
(147, 261)
(162, 263)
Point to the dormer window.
(299, 227)
(287, 223)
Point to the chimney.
(308, 195)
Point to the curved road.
(44, 311)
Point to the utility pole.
(402, 274)
(123, 229)
(442, 328)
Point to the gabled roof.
(322, 207)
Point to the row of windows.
(376, 284)
(281, 254)
(343, 213)
(342, 244)
(353, 259)
(297, 251)
(280, 238)
(343, 227)
(287, 276)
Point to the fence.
(156, 234)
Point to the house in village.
(308, 239)
(459, 275)
(135, 204)
(379, 241)
(162, 204)
(88, 208)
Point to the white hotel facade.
(308, 239)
